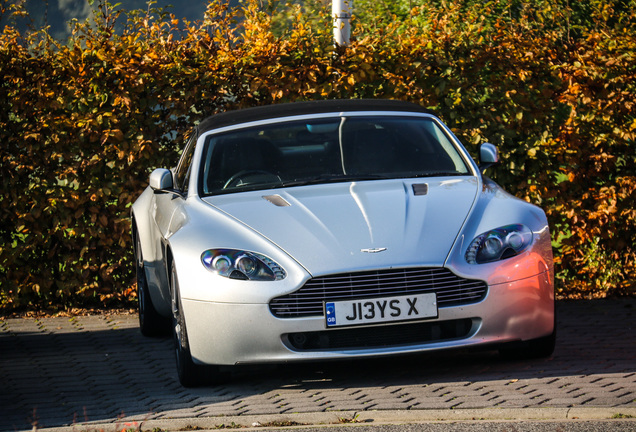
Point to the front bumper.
(233, 333)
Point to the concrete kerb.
(342, 418)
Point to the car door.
(166, 208)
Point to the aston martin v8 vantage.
(337, 229)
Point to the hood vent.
(420, 189)
(277, 200)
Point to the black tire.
(190, 373)
(151, 323)
(533, 349)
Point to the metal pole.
(341, 11)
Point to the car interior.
(274, 155)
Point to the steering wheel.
(247, 173)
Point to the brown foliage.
(82, 125)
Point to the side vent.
(277, 200)
(420, 189)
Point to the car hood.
(341, 227)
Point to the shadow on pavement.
(57, 372)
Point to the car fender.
(495, 208)
(209, 228)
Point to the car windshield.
(298, 153)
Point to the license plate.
(380, 310)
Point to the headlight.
(498, 244)
(236, 264)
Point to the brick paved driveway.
(60, 371)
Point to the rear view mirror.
(161, 179)
(488, 156)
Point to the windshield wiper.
(332, 178)
(439, 174)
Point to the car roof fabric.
(231, 118)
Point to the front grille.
(451, 289)
(381, 336)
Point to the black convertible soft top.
(230, 118)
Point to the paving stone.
(388, 404)
(562, 402)
(104, 369)
(294, 409)
(430, 403)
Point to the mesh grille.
(451, 290)
(382, 336)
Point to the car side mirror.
(161, 179)
(488, 156)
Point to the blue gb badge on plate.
(330, 313)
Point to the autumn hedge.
(84, 121)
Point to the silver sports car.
(337, 229)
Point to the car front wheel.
(190, 373)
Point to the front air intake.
(451, 289)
